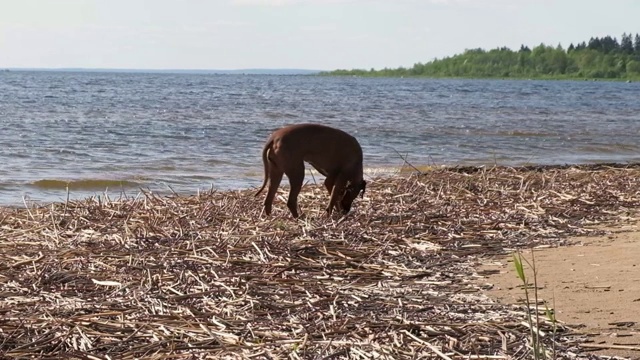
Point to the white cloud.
(473, 3)
(288, 2)
(278, 3)
(263, 2)
(319, 28)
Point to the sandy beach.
(419, 269)
(592, 285)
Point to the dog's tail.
(265, 162)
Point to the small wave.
(278, 115)
(373, 171)
(523, 133)
(609, 149)
(508, 133)
(218, 162)
(84, 184)
(393, 170)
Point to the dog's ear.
(363, 186)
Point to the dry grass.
(206, 276)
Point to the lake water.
(122, 131)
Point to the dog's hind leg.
(275, 176)
(295, 173)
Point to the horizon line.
(170, 70)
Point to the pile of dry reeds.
(207, 276)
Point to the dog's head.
(351, 193)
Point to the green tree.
(609, 44)
(600, 58)
(626, 44)
(633, 67)
(558, 60)
(594, 44)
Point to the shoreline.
(515, 78)
(135, 186)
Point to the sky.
(291, 34)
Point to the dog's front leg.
(336, 193)
(295, 173)
(329, 182)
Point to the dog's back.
(324, 147)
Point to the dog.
(334, 153)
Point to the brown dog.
(334, 153)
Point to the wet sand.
(595, 285)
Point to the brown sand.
(595, 285)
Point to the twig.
(24, 201)
(407, 162)
(433, 348)
(607, 346)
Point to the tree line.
(599, 58)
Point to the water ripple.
(195, 131)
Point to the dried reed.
(206, 276)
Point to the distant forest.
(599, 58)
